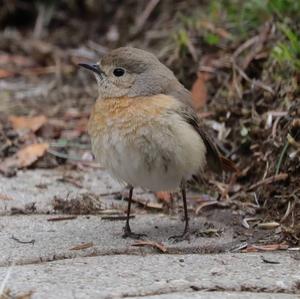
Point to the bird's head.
(131, 72)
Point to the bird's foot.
(129, 234)
(185, 236)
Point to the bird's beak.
(94, 67)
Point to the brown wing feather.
(212, 153)
(214, 159)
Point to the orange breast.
(127, 113)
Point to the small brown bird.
(144, 129)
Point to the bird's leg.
(127, 230)
(186, 233)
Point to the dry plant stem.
(63, 218)
(153, 244)
(116, 217)
(247, 44)
(258, 46)
(270, 180)
(255, 44)
(254, 82)
(282, 154)
(287, 212)
(82, 246)
(278, 118)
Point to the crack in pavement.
(94, 252)
(210, 290)
(153, 274)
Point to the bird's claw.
(129, 234)
(185, 236)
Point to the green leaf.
(212, 39)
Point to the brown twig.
(153, 244)
(258, 45)
(116, 217)
(82, 246)
(216, 30)
(269, 180)
(148, 204)
(61, 218)
(254, 82)
(22, 242)
(289, 209)
(111, 193)
(71, 180)
(247, 44)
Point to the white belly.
(156, 158)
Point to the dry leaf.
(29, 123)
(29, 154)
(164, 196)
(8, 167)
(23, 158)
(6, 74)
(267, 247)
(7, 294)
(15, 59)
(199, 92)
(153, 244)
(206, 69)
(5, 197)
(83, 246)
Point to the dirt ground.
(240, 61)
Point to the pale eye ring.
(118, 72)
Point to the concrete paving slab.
(25, 188)
(53, 240)
(111, 267)
(124, 276)
(41, 186)
(220, 295)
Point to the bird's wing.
(180, 93)
(215, 160)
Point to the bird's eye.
(118, 72)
